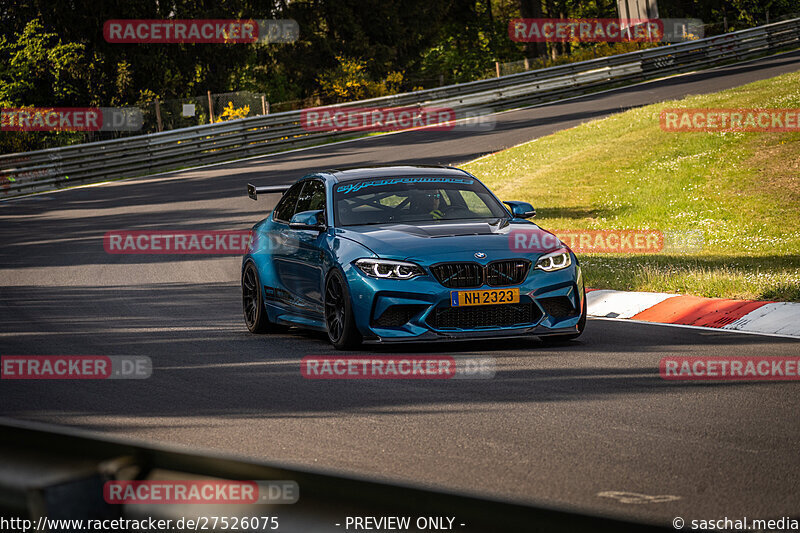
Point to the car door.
(275, 290)
(298, 258)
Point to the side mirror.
(521, 209)
(312, 220)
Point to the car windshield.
(413, 200)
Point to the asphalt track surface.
(557, 426)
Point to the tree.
(349, 80)
(39, 69)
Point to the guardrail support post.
(264, 105)
(210, 109)
(158, 115)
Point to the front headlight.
(386, 269)
(554, 260)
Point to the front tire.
(255, 315)
(339, 320)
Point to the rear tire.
(339, 320)
(255, 315)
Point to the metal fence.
(188, 112)
(680, 30)
(141, 155)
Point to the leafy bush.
(232, 113)
(349, 81)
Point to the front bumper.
(392, 311)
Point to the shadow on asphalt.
(206, 363)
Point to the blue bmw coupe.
(407, 253)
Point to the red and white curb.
(772, 318)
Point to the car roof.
(385, 171)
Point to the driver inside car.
(428, 203)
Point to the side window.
(285, 208)
(312, 197)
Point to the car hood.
(443, 241)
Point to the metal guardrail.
(54, 168)
(59, 473)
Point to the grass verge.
(741, 190)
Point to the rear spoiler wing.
(253, 191)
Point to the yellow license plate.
(487, 297)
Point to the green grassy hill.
(740, 190)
